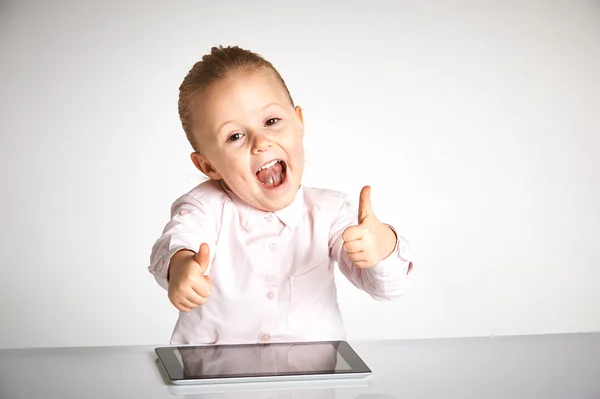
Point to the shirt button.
(184, 212)
(269, 217)
(270, 295)
(273, 247)
(265, 338)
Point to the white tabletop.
(533, 367)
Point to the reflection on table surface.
(547, 366)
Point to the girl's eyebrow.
(220, 128)
(270, 104)
(263, 108)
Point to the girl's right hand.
(188, 286)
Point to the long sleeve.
(191, 224)
(386, 281)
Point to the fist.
(188, 286)
(370, 241)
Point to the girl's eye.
(272, 121)
(235, 137)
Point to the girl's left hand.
(371, 241)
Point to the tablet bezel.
(172, 366)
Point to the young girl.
(249, 255)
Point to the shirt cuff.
(162, 267)
(399, 260)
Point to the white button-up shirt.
(271, 272)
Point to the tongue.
(271, 177)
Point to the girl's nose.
(261, 144)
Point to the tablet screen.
(256, 360)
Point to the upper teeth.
(268, 165)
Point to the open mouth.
(272, 174)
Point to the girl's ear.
(204, 166)
(300, 116)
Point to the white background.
(476, 123)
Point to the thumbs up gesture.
(188, 286)
(370, 241)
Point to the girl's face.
(250, 136)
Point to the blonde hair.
(221, 62)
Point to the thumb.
(203, 256)
(364, 204)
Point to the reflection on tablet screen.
(260, 360)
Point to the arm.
(191, 224)
(384, 278)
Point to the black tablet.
(210, 364)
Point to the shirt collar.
(251, 217)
